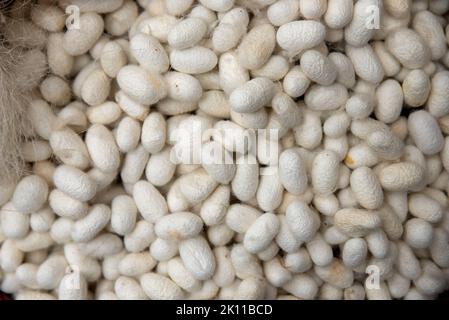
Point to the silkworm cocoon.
(359, 31)
(51, 271)
(151, 204)
(128, 134)
(214, 208)
(292, 171)
(398, 8)
(408, 47)
(431, 282)
(42, 220)
(231, 73)
(181, 276)
(356, 222)
(354, 292)
(73, 286)
(197, 257)
(416, 88)
(359, 106)
(154, 133)
(276, 273)
(127, 288)
(103, 245)
(319, 250)
(176, 7)
(74, 183)
(437, 103)
(193, 60)
(55, 90)
(140, 237)
(339, 13)
(344, 67)
(336, 125)
(220, 234)
(318, 67)
(256, 46)
(215, 104)
(149, 53)
(120, 21)
(218, 5)
(157, 26)
(34, 241)
(285, 237)
(158, 287)
(163, 250)
(240, 217)
(87, 266)
(295, 82)
(336, 274)
(60, 62)
(60, 230)
(30, 194)
(224, 272)
(354, 253)
(14, 223)
(425, 132)
(297, 36)
(160, 170)
(270, 190)
(123, 214)
(251, 288)
(282, 12)
(401, 176)
(424, 207)
(364, 127)
(325, 172)
(398, 285)
(105, 113)
(88, 227)
(407, 263)
(93, 6)
(260, 234)
(218, 162)
(252, 96)
(366, 63)
(439, 248)
(73, 116)
(378, 243)
(102, 148)
(131, 107)
(48, 17)
(298, 261)
(325, 98)
(69, 148)
(302, 286)
(275, 68)
(136, 264)
(197, 186)
(418, 233)
(366, 188)
(426, 24)
(78, 41)
(134, 165)
(187, 33)
(389, 63)
(389, 101)
(183, 87)
(326, 204)
(113, 58)
(385, 144)
(245, 264)
(178, 226)
(143, 86)
(303, 221)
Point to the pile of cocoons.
(234, 149)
